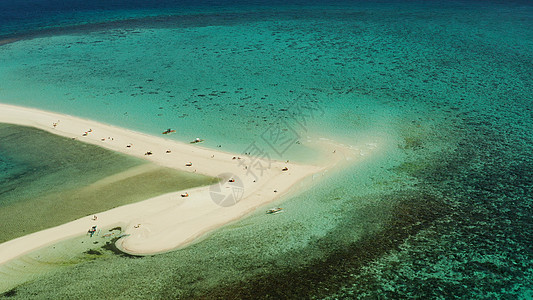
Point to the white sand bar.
(168, 221)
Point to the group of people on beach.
(86, 133)
(92, 230)
(150, 152)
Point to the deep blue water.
(18, 17)
(25, 16)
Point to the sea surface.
(437, 96)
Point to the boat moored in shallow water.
(274, 210)
(197, 140)
(169, 131)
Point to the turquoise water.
(239, 76)
(442, 210)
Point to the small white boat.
(197, 140)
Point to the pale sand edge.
(168, 221)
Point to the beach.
(172, 220)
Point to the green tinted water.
(49, 180)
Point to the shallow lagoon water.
(445, 211)
(49, 180)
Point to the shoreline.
(169, 221)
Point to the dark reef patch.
(481, 246)
(411, 213)
(111, 246)
(10, 293)
(93, 252)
